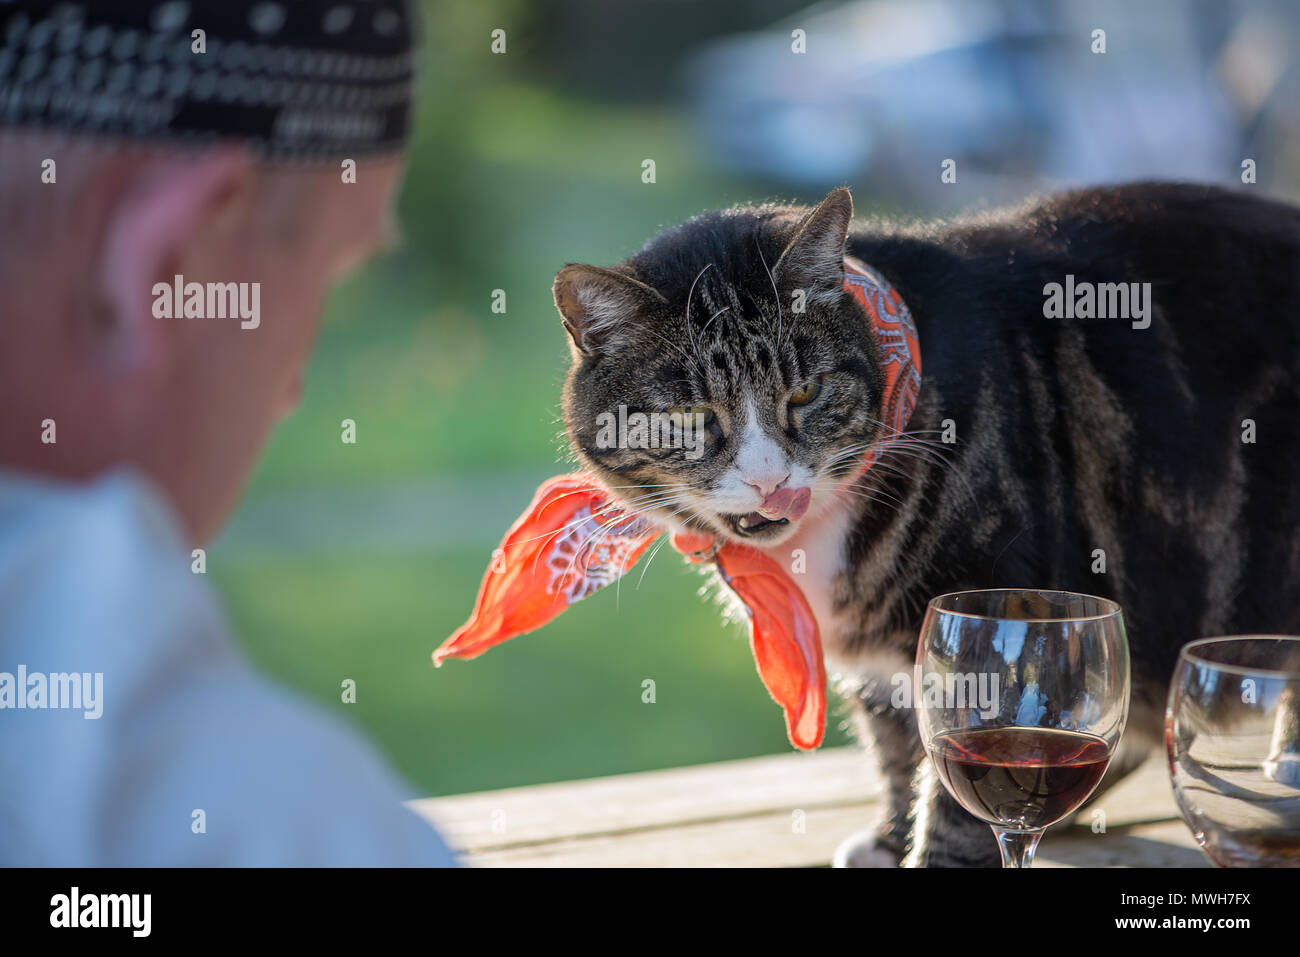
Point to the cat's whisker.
(686, 316)
(865, 483)
(694, 282)
(930, 456)
(878, 488)
(844, 454)
(906, 440)
(596, 538)
(642, 508)
(583, 546)
(624, 515)
(652, 496)
(627, 512)
(712, 317)
(691, 360)
(853, 451)
(873, 496)
(927, 448)
(654, 551)
(600, 531)
(780, 313)
(875, 500)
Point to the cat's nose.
(765, 485)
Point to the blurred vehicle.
(1013, 91)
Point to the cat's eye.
(806, 392)
(699, 417)
(691, 411)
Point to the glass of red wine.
(1232, 732)
(1021, 696)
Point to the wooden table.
(788, 810)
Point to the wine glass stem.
(1017, 846)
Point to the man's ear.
(596, 304)
(150, 231)
(813, 259)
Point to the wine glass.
(1232, 731)
(1022, 694)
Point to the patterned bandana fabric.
(295, 79)
(575, 538)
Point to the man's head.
(241, 182)
(188, 400)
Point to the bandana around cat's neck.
(575, 539)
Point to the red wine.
(1021, 778)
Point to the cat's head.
(722, 378)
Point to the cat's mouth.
(754, 524)
(778, 510)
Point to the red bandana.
(575, 538)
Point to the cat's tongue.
(787, 503)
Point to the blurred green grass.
(508, 180)
(562, 703)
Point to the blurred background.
(356, 561)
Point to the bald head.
(166, 167)
(89, 347)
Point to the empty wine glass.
(1232, 731)
(1022, 695)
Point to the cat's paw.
(864, 849)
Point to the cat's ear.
(597, 304)
(813, 259)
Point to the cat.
(1167, 445)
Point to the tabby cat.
(1170, 441)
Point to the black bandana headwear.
(296, 79)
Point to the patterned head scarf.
(295, 79)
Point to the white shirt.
(194, 759)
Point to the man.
(180, 184)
